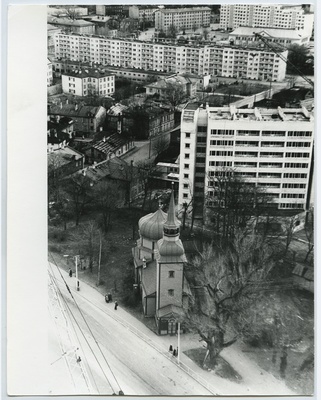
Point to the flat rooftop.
(258, 114)
(250, 46)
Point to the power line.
(81, 313)
(70, 312)
(70, 355)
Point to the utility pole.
(77, 281)
(178, 341)
(99, 260)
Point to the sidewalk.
(255, 382)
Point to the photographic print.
(180, 156)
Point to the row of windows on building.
(230, 132)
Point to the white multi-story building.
(248, 62)
(265, 15)
(268, 148)
(142, 13)
(87, 82)
(285, 37)
(187, 18)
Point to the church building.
(159, 258)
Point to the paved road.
(137, 368)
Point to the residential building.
(60, 129)
(285, 37)
(64, 160)
(115, 9)
(124, 178)
(134, 74)
(247, 62)
(163, 86)
(147, 122)
(73, 25)
(269, 148)
(201, 82)
(143, 13)
(101, 9)
(88, 82)
(188, 18)
(51, 31)
(87, 119)
(159, 259)
(112, 145)
(49, 72)
(265, 16)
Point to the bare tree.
(205, 33)
(146, 169)
(159, 144)
(309, 232)
(232, 201)
(72, 13)
(107, 197)
(274, 321)
(78, 190)
(174, 94)
(221, 280)
(289, 231)
(87, 237)
(172, 31)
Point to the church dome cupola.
(151, 225)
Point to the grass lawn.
(222, 369)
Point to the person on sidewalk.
(106, 298)
(70, 272)
(116, 305)
(170, 348)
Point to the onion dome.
(170, 250)
(151, 225)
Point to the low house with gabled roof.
(112, 145)
(87, 119)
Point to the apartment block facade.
(249, 62)
(187, 18)
(87, 82)
(142, 13)
(265, 15)
(271, 149)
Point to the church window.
(171, 274)
(171, 292)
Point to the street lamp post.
(178, 341)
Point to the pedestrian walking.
(116, 305)
(170, 348)
(174, 353)
(106, 298)
(70, 272)
(110, 297)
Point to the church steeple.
(171, 226)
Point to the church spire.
(171, 226)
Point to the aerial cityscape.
(181, 199)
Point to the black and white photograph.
(180, 199)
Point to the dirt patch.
(223, 369)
